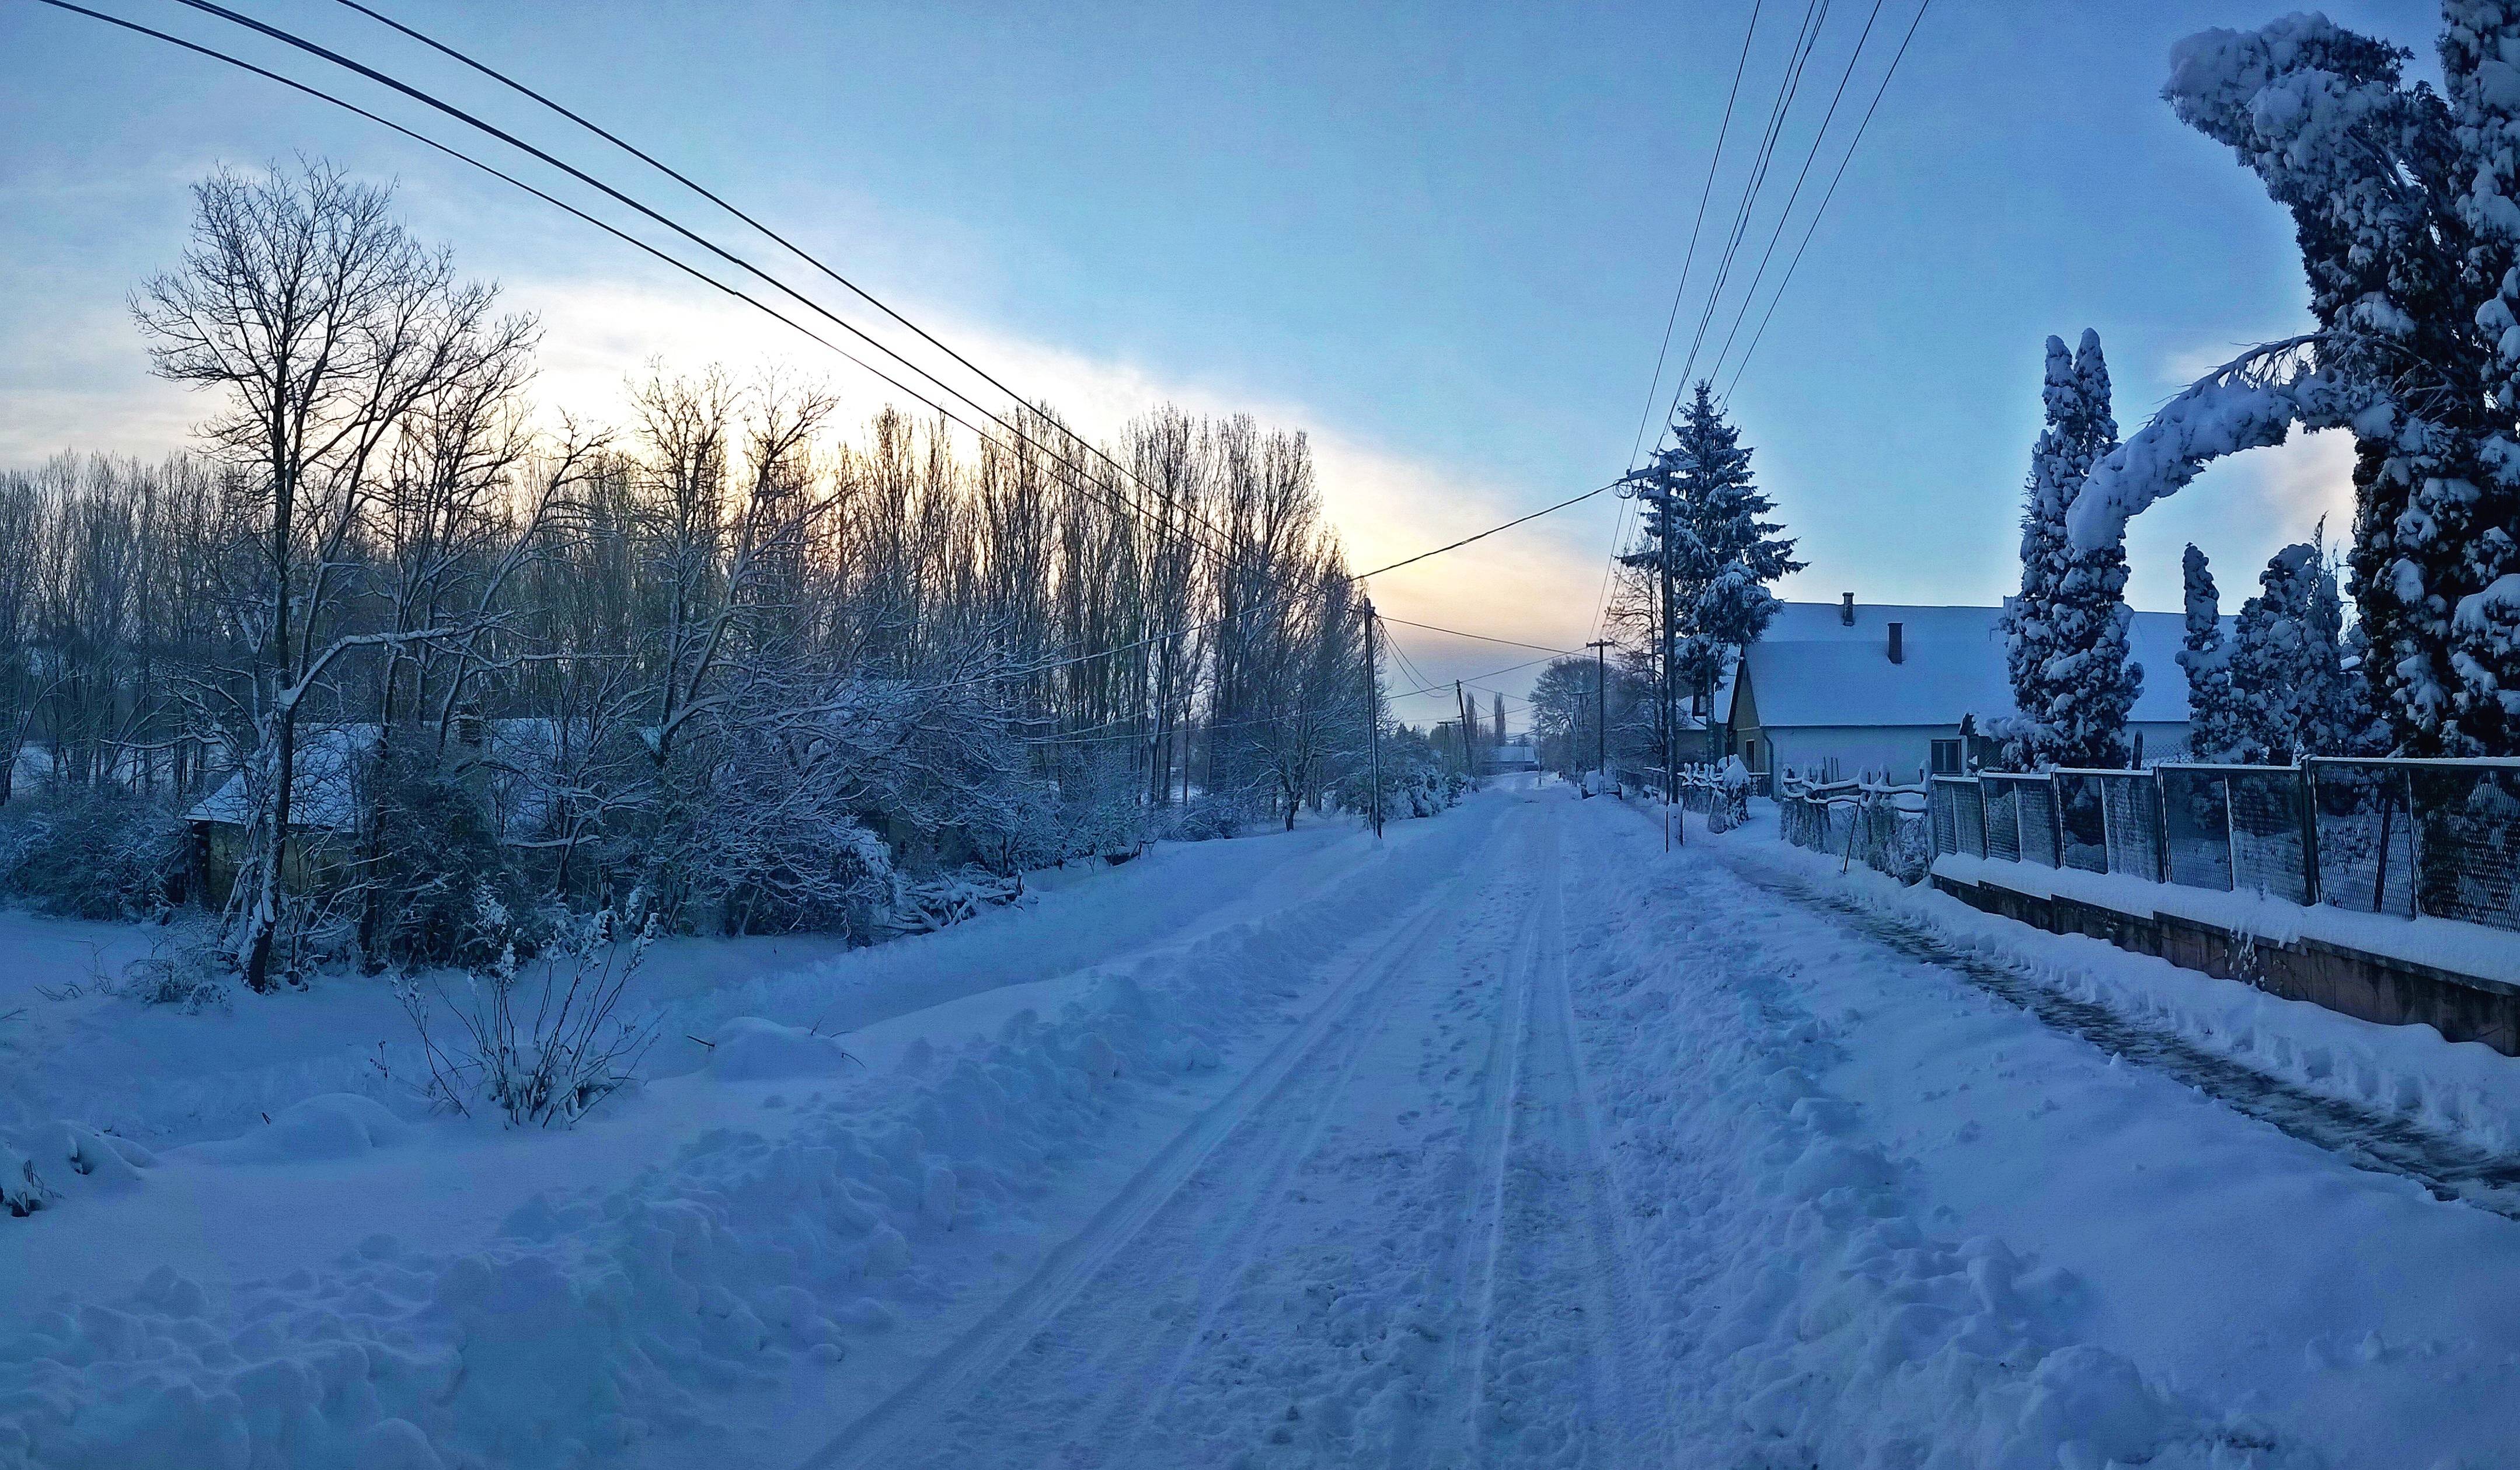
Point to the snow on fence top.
(2406, 837)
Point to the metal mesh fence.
(2002, 819)
(2196, 826)
(2408, 837)
(2270, 833)
(2365, 812)
(2131, 812)
(2082, 822)
(1968, 819)
(2467, 841)
(2035, 802)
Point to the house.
(509, 761)
(1511, 755)
(1840, 689)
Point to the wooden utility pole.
(1374, 720)
(1600, 710)
(1669, 720)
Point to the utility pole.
(1373, 715)
(1601, 711)
(1670, 734)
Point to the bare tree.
(321, 324)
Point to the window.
(1947, 758)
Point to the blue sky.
(1440, 238)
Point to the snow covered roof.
(1813, 668)
(332, 759)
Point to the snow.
(1512, 1141)
(2473, 950)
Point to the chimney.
(1846, 608)
(1898, 643)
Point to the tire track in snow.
(891, 1433)
(2380, 1142)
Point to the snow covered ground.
(1511, 1141)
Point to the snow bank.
(1824, 1322)
(598, 1322)
(749, 1048)
(331, 1126)
(2465, 1090)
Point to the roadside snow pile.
(598, 1321)
(749, 1048)
(1821, 1323)
(2465, 1090)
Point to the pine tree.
(2065, 640)
(1723, 551)
(2290, 688)
(2205, 655)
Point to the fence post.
(2414, 849)
(2108, 849)
(2308, 832)
(2160, 827)
(2231, 837)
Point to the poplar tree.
(2205, 655)
(2065, 635)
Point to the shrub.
(95, 855)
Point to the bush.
(435, 854)
(546, 1049)
(95, 855)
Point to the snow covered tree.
(2290, 689)
(2401, 200)
(2205, 653)
(2065, 641)
(1698, 492)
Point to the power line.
(350, 63)
(1653, 390)
(1513, 643)
(781, 240)
(1786, 214)
(1805, 41)
(697, 274)
(1788, 278)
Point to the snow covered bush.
(433, 852)
(187, 968)
(541, 1051)
(95, 854)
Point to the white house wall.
(1907, 750)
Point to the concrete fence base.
(2370, 987)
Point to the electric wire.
(1784, 216)
(1791, 266)
(1026, 670)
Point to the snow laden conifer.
(2290, 688)
(2065, 638)
(1698, 491)
(2403, 200)
(2205, 655)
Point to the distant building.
(1516, 754)
(1840, 689)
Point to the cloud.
(1536, 583)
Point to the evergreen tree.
(1724, 552)
(2065, 638)
(2290, 686)
(2205, 653)
(2402, 198)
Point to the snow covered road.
(1512, 1141)
(1636, 1160)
